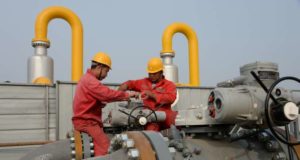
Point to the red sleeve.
(168, 96)
(133, 85)
(104, 93)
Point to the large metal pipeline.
(24, 143)
(59, 150)
(167, 52)
(78, 146)
(41, 40)
(149, 145)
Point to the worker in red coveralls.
(90, 97)
(156, 92)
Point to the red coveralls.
(90, 97)
(165, 92)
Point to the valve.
(280, 111)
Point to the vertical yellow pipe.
(41, 25)
(192, 44)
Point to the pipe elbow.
(53, 12)
(173, 29)
(191, 35)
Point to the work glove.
(133, 95)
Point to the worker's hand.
(147, 94)
(133, 95)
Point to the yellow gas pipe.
(192, 44)
(41, 25)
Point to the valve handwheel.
(289, 109)
(140, 119)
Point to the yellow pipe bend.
(41, 24)
(192, 44)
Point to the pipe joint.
(167, 51)
(167, 54)
(40, 43)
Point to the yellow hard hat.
(155, 65)
(42, 80)
(102, 58)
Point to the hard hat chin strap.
(100, 72)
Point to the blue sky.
(231, 33)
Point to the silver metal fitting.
(90, 139)
(123, 137)
(72, 139)
(119, 138)
(117, 142)
(279, 156)
(172, 150)
(133, 154)
(263, 137)
(128, 143)
(92, 153)
(40, 43)
(72, 146)
(92, 145)
(272, 146)
(166, 139)
(166, 54)
(73, 152)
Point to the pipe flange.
(86, 145)
(40, 43)
(167, 54)
(133, 154)
(117, 142)
(159, 145)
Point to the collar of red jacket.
(89, 71)
(162, 81)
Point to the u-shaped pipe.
(192, 44)
(41, 25)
